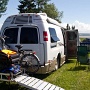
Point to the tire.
(30, 62)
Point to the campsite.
(44, 45)
(68, 77)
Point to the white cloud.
(82, 27)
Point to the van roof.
(26, 18)
(27, 14)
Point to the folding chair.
(82, 55)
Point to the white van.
(38, 32)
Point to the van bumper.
(49, 67)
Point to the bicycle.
(26, 59)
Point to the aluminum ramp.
(33, 83)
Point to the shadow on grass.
(41, 76)
(7, 86)
(70, 61)
(10, 86)
(77, 68)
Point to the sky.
(75, 13)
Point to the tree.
(40, 4)
(26, 6)
(31, 5)
(35, 6)
(53, 12)
(3, 7)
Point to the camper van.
(38, 32)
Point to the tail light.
(45, 36)
(34, 52)
(8, 77)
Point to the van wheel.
(57, 65)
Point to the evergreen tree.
(40, 4)
(36, 6)
(31, 6)
(26, 6)
(3, 7)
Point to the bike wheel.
(30, 62)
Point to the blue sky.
(75, 12)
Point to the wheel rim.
(32, 63)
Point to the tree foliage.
(53, 12)
(26, 6)
(3, 7)
(31, 6)
(35, 6)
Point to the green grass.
(82, 39)
(68, 77)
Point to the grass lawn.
(68, 77)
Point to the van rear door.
(28, 37)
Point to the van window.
(53, 37)
(11, 34)
(20, 20)
(28, 35)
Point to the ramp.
(35, 84)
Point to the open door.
(71, 42)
